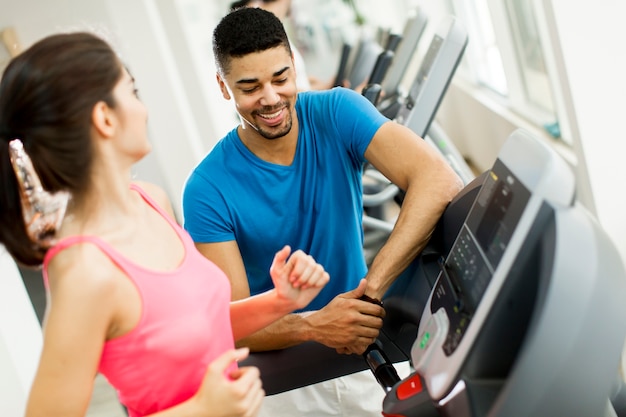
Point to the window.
(483, 61)
(533, 72)
(506, 55)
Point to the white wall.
(20, 339)
(148, 49)
(196, 20)
(589, 38)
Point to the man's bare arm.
(429, 183)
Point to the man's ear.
(223, 88)
(293, 64)
(102, 119)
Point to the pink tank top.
(184, 326)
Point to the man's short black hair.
(245, 31)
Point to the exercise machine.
(526, 317)
(515, 308)
(413, 30)
(362, 63)
(433, 77)
(394, 61)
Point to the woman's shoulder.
(156, 194)
(82, 271)
(83, 298)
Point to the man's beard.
(277, 132)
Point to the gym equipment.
(527, 315)
(363, 62)
(411, 35)
(518, 298)
(393, 62)
(437, 68)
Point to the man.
(290, 173)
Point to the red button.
(409, 387)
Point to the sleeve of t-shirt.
(357, 120)
(205, 213)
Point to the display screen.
(489, 228)
(492, 221)
(478, 250)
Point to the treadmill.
(433, 76)
(411, 34)
(526, 317)
(395, 60)
(515, 308)
(362, 63)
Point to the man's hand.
(346, 323)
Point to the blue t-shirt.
(315, 204)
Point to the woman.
(128, 294)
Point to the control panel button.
(430, 337)
(409, 387)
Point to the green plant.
(358, 17)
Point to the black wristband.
(371, 300)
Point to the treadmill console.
(526, 316)
(483, 254)
(477, 252)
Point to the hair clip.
(42, 211)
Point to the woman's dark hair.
(245, 31)
(47, 95)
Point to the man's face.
(263, 86)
